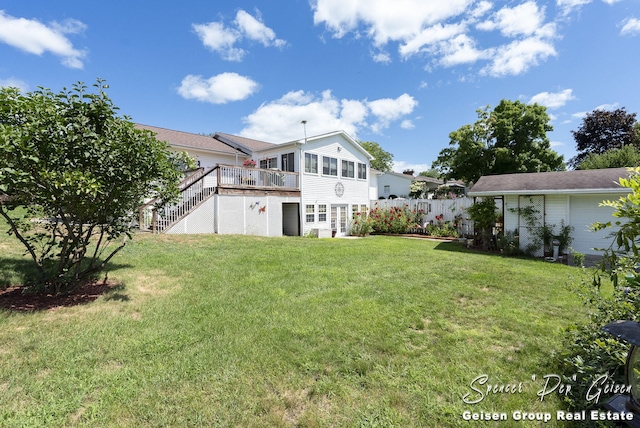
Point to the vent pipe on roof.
(304, 124)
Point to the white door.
(339, 219)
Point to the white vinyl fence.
(435, 210)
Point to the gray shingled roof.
(244, 143)
(580, 181)
(188, 140)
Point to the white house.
(314, 184)
(393, 185)
(569, 197)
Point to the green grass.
(247, 331)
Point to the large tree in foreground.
(72, 174)
(510, 138)
(604, 130)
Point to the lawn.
(248, 332)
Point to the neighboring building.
(312, 184)
(393, 185)
(572, 197)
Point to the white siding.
(319, 189)
(398, 186)
(584, 212)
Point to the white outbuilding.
(569, 198)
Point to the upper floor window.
(329, 166)
(269, 163)
(362, 171)
(347, 169)
(311, 163)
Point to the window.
(322, 213)
(311, 163)
(364, 209)
(269, 163)
(311, 214)
(354, 211)
(347, 169)
(362, 171)
(329, 166)
(287, 162)
(387, 189)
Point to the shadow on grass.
(15, 295)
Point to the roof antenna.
(304, 124)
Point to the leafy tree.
(603, 130)
(627, 156)
(511, 138)
(433, 173)
(72, 175)
(383, 160)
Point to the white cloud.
(461, 50)
(279, 120)
(223, 40)
(219, 89)
(36, 38)
(568, 5)
(441, 31)
(15, 83)
(398, 20)
(381, 57)
(219, 39)
(524, 19)
(430, 36)
(407, 124)
(388, 110)
(255, 29)
(516, 57)
(400, 166)
(553, 100)
(630, 27)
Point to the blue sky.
(403, 73)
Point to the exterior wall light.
(628, 331)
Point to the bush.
(394, 219)
(360, 225)
(509, 244)
(442, 230)
(590, 352)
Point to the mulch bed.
(14, 299)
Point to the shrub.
(509, 243)
(360, 225)
(394, 219)
(590, 352)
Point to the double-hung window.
(310, 214)
(329, 166)
(269, 163)
(347, 169)
(362, 171)
(322, 213)
(311, 163)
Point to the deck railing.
(199, 186)
(194, 190)
(236, 176)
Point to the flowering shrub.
(447, 229)
(360, 225)
(394, 219)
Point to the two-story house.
(247, 186)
